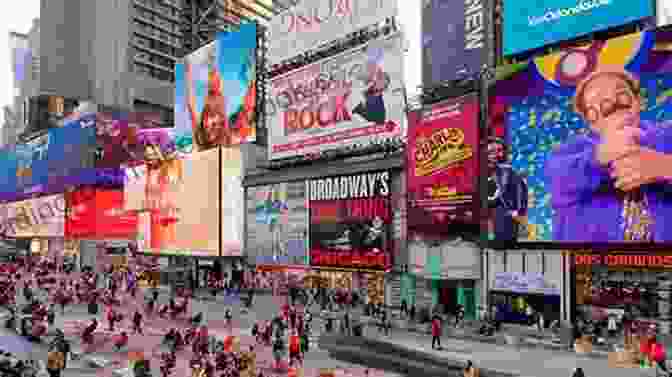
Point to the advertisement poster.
(524, 283)
(99, 214)
(620, 260)
(353, 98)
(454, 39)
(41, 217)
(528, 27)
(123, 138)
(277, 224)
(443, 160)
(350, 219)
(233, 201)
(197, 223)
(164, 183)
(548, 179)
(215, 92)
(311, 24)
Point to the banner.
(277, 224)
(527, 27)
(350, 218)
(233, 201)
(42, 217)
(311, 24)
(546, 181)
(442, 160)
(98, 214)
(624, 260)
(215, 92)
(353, 98)
(454, 39)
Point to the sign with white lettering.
(454, 39)
(42, 217)
(350, 99)
(314, 23)
(350, 219)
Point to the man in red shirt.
(436, 332)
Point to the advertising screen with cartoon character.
(350, 219)
(581, 146)
(215, 92)
(353, 98)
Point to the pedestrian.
(658, 355)
(228, 318)
(529, 313)
(578, 372)
(294, 348)
(346, 322)
(137, 322)
(111, 318)
(411, 313)
(470, 370)
(611, 326)
(51, 315)
(403, 311)
(55, 363)
(292, 316)
(540, 322)
(436, 332)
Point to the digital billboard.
(580, 152)
(311, 24)
(41, 217)
(99, 214)
(215, 92)
(233, 201)
(454, 39)
(350, 219)
(442, 161)
(276, 230)
(353, 98)
(528, 26)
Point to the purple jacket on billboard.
(586, 206)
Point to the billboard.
(276, 230)
(442, 161)
(61, 152)
(311, 24)
(41, 217)
(233, 201)
(454, 39)
(182, 199)
(350, 218)
(99, 214)
(21, 54)
(528, 27)
(663, 13)
(135, 183)
(353, 98)
(215, 92)
(552, 176)
(123, 140)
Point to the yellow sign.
(441, 149)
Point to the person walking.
(436, 332)
(51, 315)
(55, 363)
(529, 313)
(137, 322)
(578, 372)
(403, 311)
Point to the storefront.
(369, 285)
(520, 279)
(616, 284)
(448, 274)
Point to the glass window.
(141, 41)
(142, 69)
(141, 55)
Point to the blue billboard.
(527, 25)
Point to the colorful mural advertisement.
(42, 217)
(442, 161)
(99, 214)
(215, 92)
(350, 219)
(581, 145)
(277, 224)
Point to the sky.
(18, 19)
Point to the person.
(292, 316)
(459, 316)
(51, 315)
(278, 350)
(436, 332)
(621, 168)
(294, 348)
(121, 340)
(111, 318)
(411, 312)
(372, 108)
(470, 370)
(578, 372)
(137, 323)
(228, 317)
(658, 356)
(403, 311)
(87, 336)
(211, 127)
(507, 194)
(346, 322)
(55, 363)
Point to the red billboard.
(99, 214)
(350, 218)
(442, 162)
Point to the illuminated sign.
(624, 260)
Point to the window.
(163, 75)
(141, 55)
(145, 14)
(160, 60)
(142, 41)
(143, 69)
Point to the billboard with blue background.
(532, 111)
(215, 92)
(527, 25)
